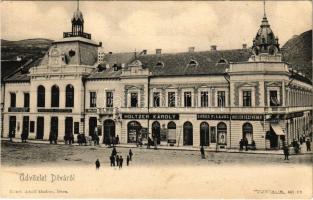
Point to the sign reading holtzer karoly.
(158, 116)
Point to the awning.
(277, 129)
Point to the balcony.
(79, 34)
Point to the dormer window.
(160, 64)
(193, 63)
(222, 61)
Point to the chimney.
(144, 52)
(213, 47)
(191, 49)
(110, 52)
(100, 44)
(158, 51)
(244, 46)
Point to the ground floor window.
(204, 134)
(68, 127)
(108, 131)
(221, 133)
(40, 128)
(133, 130)
(92, 125)
(156, 131)
(54, 127)
(12, 126)
(188, 133)
(171, 126)
(247, 132)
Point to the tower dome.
(78, 16)
(265, 40)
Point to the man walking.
(202, 152)
(130, 154)
(308, 145)
(286, 152)
(112, 160)
(127, 160)
(117, 160)
(121, 162)
(97, 164)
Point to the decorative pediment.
(273, 84)
(247, 84)
(136, 63)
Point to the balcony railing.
(79, 34)
(18, 109)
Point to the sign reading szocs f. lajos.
(163, 116)
(228, 117)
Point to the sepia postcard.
(156, 99)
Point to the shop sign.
(228, 117)
(54, 110)
(159, 116)
(91, 110)
(294, 115)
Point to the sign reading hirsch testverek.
(228, 117)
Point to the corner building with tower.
(212, 98)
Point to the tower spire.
(264, 11)
(77, 4)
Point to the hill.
(298, 53)
(30, 48)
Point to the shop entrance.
(12, 126)
(54, 126)
(204, 134)
(40, 128)
(25, 129)
(188, 133)
(222, 133)
(156, 131)
(133, 130)
(108, 131)
(68, 127)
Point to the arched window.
(69, 101)
(55, 94)
(188, 133)
(159, 64)
(221, 133)
(41, 96)
(193, 63)
(171, 126)
(204, 134)
(247, 132)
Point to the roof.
(77, 39)
(193, 63)
(8, 67)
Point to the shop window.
(156, 99)
(187, 99)
(26, 100)
(13, 100)
(109, 99)
(221, 133)
(221, 98)
(134, 99)
(188, 133)
(133, 129)
(246, 98)
(247, 132)
(171, 138)
(55, 95)
(204, 99)
(93, 99)
(171, 99)
(69, 102)
(41, 96)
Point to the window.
(171, 99)
(221, 133)
(273, 98)
(26, 100)
(41, 96)
(93, 99)
(134, 100)
(187, 99)
(156, 99)
(204, 99)
(69, 102)
(221, 98)
(109, 99)
(55, 94)
(13, 100)
(246, 98)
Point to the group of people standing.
(117, 160)
(244, 143)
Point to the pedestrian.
(117, 160)
(286, 152)
(117, 139)
(241, 145)
(11, 135)
(202, 152)
(97, 164)
(127, 160)
(112, 160)
(308, 145)
(245, 143)
(114, 152)
(121, 162)
(130, 154)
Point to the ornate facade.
(210, 98)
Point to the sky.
(172, 26)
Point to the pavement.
(182, 148)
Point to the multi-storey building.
(212, 98)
